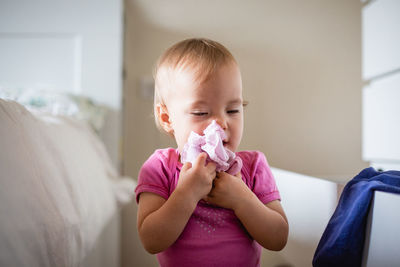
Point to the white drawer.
(381, 37)
(381, 120)
(382, 241)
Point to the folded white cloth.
(212, 143)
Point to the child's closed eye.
(233, 111)
(199, 113)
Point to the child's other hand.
(228, 191)
(196, 180)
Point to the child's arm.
(267, 224)
(160, 221)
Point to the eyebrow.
(237, 101)
(198, 103)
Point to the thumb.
(186, 166)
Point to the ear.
(163, 118)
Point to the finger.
(211, 166)
(213, 175)
(222, 174)
(201, 159)
(186, 166)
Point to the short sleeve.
(262, 181)
(154, 176)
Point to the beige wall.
(301, 70)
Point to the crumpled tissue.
(212, 143)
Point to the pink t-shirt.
(213, 236)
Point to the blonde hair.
(199, 55)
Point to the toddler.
(189, 213)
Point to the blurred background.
(301, 70)
(312, 71)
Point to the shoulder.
(252, 158)
(258, 175)
(250, 154)
(156, 173)
(165, 154)
(166, 158)
(161, 164)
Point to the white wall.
(66, 46)
(72, 46)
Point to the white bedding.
(58, 188)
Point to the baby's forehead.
(198, 70)
(176, 82)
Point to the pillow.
(57, 188)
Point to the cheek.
(185, 132)
(198, 126)
(238, 132)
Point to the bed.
(60, 195)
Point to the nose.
(221, 120)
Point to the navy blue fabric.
(342, 242)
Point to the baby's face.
(192, 106)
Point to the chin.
(229, 147)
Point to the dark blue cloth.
(342, 242)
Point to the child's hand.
(228, 191)
(196, 180)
